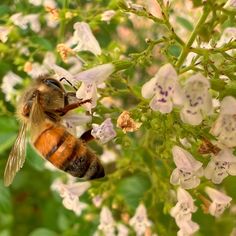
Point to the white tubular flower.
(70, 194)
(23, 21)
(4, 31)
(74, 205)
(225, 126)
(122, 230)
(90, 79)
(37, 70)
(50, 3)
(220, 166)
(107, 15)
(188, 169)
(104, 132)
(230, 5)
(220, 201)
(33, 21)
(97, 201)
(51, 21)
(19, 20)
(8, 83)
(198, 101)
(184, 208)
(36, 2)
(108, 156)
(107, 223)
(182, 212)
(188, 228)
(164, 90)
(228, 35)
(61, 72)
(139, 221)
(84, 39)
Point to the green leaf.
(43, 232)
(174, 50)
(5, 199)
(5, 233)
(8, 124)
(34, 159)
(133, 188)
(185, 23)
(4, 9)
(42, 42)
(6, 141)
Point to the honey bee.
(41, 110)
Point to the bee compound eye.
(53, 83)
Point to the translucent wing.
(17, 156)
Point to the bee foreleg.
(72, 106)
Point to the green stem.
(63, 22)
(192, 37)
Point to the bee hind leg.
(87, 136)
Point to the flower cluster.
(189, 169)
(70, 193)
(139, 222)
(182, 212)
(165, 91)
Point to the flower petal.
(88, 91)
(209, 170)
(184, 160)
(217, 177)
(228, 105)
(161, 104)
(148, 88)
(85, 39)
(190, 116)
(217, 196)
(191, 183)
(96, 74)
(104, 132)
(175, 178)
(232, 169)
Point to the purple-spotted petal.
(104, 132)
(191, 116)
(162, 104)
(88, 91)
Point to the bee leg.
(87, 136)
(72, 106)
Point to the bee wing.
(36, 114)
(17, 156)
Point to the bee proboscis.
(41, 110)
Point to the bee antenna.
(63, 78)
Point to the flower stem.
(192, 37)
(63, 22)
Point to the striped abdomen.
(68, 153)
